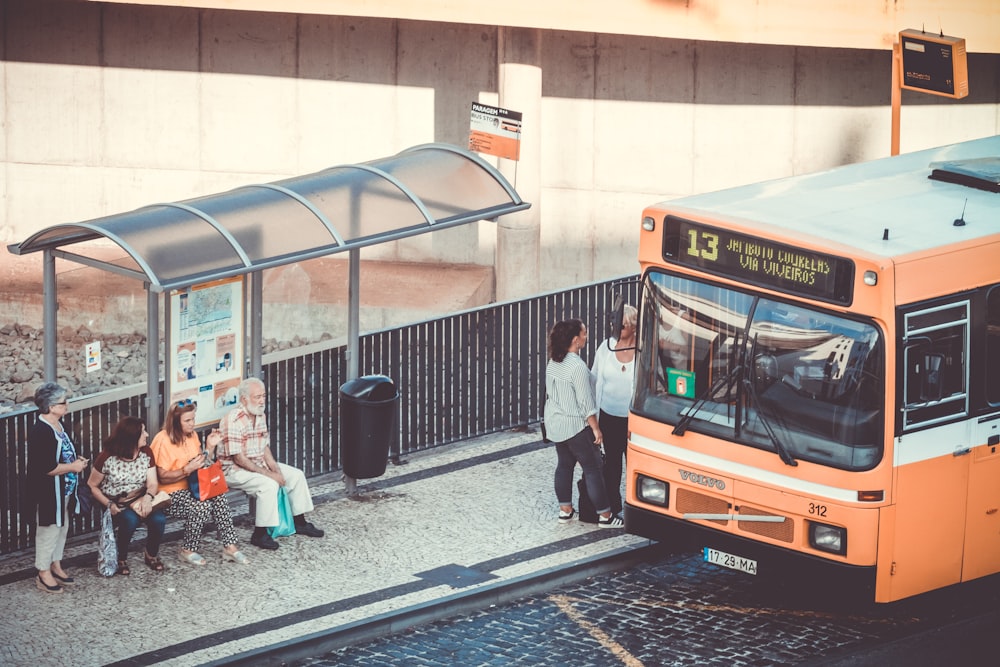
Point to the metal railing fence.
(461, 376)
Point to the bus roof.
(853, 205)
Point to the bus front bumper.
(772, 562)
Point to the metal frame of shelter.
(241, 232)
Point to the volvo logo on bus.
(688, 476)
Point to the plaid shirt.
(243, 433)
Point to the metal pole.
(50, 305)
(153, 398)
(353, 334)
(897, 95)
(256, 323)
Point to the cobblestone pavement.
(678, 610)
(472, 517)
(486, 505)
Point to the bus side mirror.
(617, 316)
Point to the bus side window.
(993, 346)
(936, 362)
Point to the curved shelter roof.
(176, 245)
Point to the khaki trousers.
(265, 491)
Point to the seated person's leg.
(297, 488)
(127, 521)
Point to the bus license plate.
(729, 560)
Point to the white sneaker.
(611, 522)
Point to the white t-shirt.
(613, 380)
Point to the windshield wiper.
(747, 384)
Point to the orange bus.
(818, 374)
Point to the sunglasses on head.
(186, 402)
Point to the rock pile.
(123, 361)
(22, 366)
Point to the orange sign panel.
(495, 131)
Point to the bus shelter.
(231, 237)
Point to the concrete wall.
(109, 107)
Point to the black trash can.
(369, 414)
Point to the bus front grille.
(689, 502)
(783, 530)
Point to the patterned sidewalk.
(455, 518)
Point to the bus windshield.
(799, 381)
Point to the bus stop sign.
(934, 64)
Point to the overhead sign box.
(934, 64)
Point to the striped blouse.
(569, 397)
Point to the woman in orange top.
(178, 453)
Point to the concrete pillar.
(519, 52)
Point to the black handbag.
(85, 498)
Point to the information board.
(206, 341)
(935, 64)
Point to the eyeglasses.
(186, 402)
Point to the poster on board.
(206, 341)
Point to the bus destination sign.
(759, 261)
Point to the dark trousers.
(615, 432)
(127, 521)
(580, 449)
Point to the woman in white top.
(613, 371)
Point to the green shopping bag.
(286, 522)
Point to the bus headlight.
(652, 491)
(828, 538)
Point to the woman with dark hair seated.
(124, 480)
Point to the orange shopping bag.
(207, 482)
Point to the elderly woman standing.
(124, 480)
(571, 422)
(178, 454)
(614, 374)
(54, 475)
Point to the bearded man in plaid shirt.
(249, 466)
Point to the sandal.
(153, 563)
(123, 568)
(194, 558)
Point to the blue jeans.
(580, 449)
(126, 521)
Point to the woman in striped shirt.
(571, 422)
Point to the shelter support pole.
(153, 398)
(519, 52)
(256, 324)
(49, 305)
(353, 334)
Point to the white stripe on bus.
(687, 457)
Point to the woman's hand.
(213, 439)
(193, 464)
(143, 506)
(598, 436)
(79, 465)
